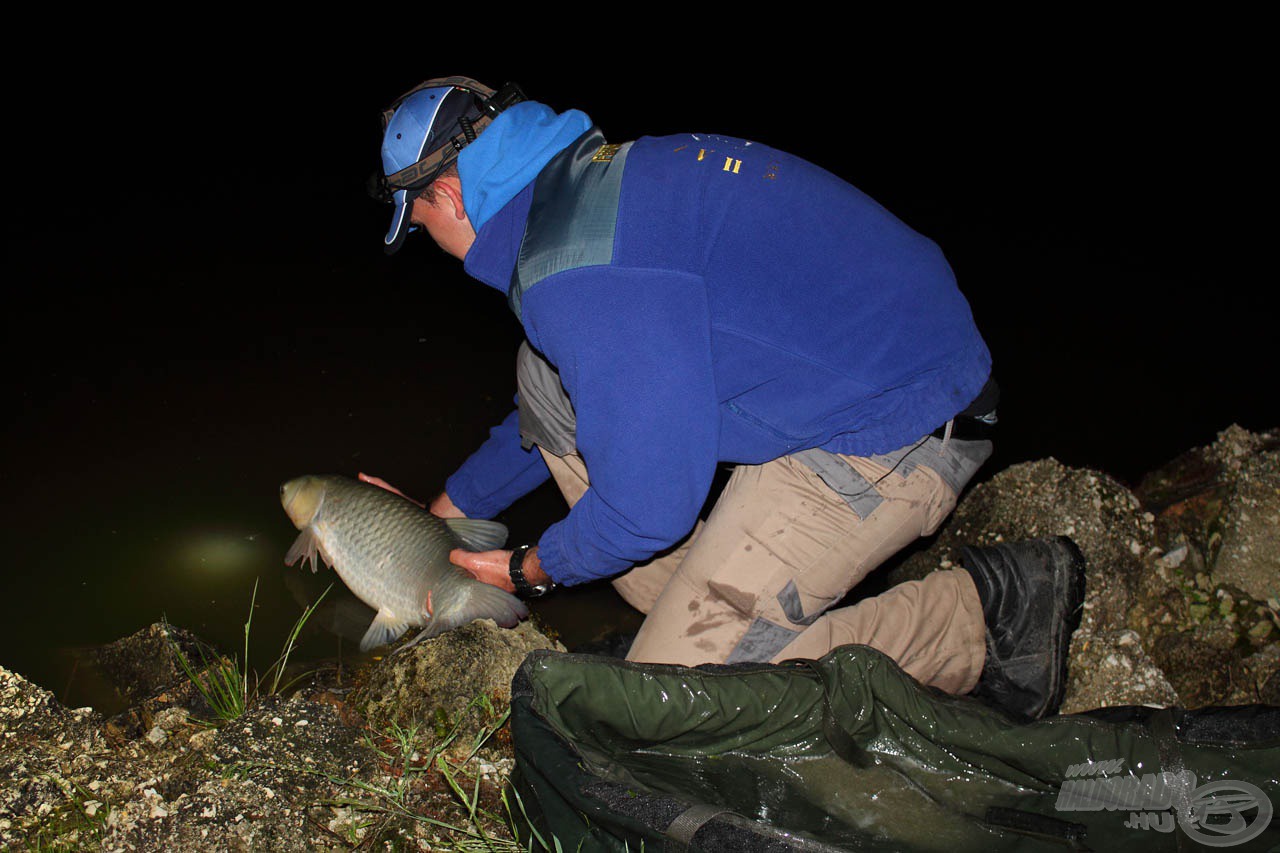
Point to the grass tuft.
(226, 684)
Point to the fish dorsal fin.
(385, 628)
(477, 534)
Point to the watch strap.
(524, 589)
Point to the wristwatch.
(524, 589)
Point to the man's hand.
(494, 567)
(442, 506)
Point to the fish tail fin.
(477, 601)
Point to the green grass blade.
(282, 663)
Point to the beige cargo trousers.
(758, 579)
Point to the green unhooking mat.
(850, 753)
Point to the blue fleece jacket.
(754, 306)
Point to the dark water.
(148, 487)
(182, 340)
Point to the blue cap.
(422, 123)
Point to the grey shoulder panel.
(573, 215)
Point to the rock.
(1198, 668)
(1218, 510)
(1249, 554)
(29, 713)
(1046, 498)
(146, 673)
(434, 684)
(42, 745)
(143, 664)
(1223, 501)
(250, 785)
(1112, 669)
(1269, 694)
(1256, 681)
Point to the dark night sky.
(191, 220)
(1092, 194)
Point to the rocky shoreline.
(1183, 607)
(1182, 603)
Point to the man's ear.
(451, 187)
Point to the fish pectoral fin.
(385, 628)
(306, 547)
(478, 534)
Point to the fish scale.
(393, 554)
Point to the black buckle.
(508, 96)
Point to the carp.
(395, 557)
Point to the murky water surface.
(141, 492)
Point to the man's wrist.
(527, 575)
(444, 507)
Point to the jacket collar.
(492, 257)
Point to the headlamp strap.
(491, 104)
(465, 83)
(417, 173)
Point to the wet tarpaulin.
(850, 753)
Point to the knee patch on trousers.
(765, 636)
(761, 643)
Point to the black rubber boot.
(1031, 595)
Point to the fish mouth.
(301, 498)
(288, 491)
